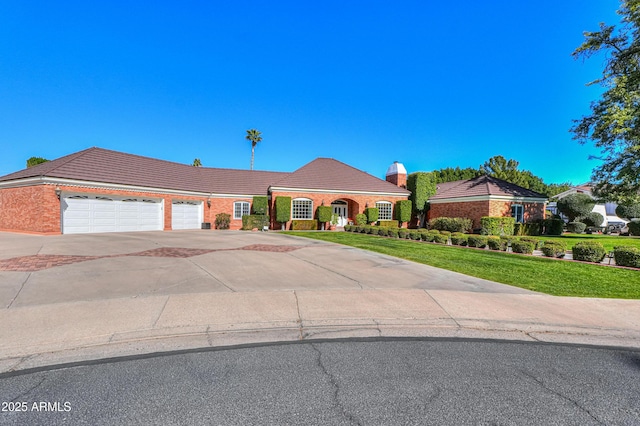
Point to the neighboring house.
(99, 190)
(486, 196)
(607, 210)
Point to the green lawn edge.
(554, 277)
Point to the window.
(384, 210)
(240, 208)
(517, 211)
(302, 208)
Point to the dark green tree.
(254, 137)
(614, 122)
(628, 211)
(33, 161)
(576, 205)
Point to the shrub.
(496, 243)
(458, 239)
(367, 229)
(440, 238)
(372, 214)
(323, 213)
(414, 234)
(534, 241)
(359, 228)
(388, 223)
(451, 224)
(634, 228)
(260, 205)
(424, 235)
(304, 224)
(392, 232)
(403, 210)
(251, 221)
(519, 246)
(382, 231)
(592, 219)
(628, 211)
(588, 251)
(283, 209)
(402, 233)
(576, 227)
(347, 228)
(479, 241)
(553, 249)
(553, 226)
(223, 220)
(530, 228)
(492, 225)
(361, 219)
(627, 256)
(575, 205)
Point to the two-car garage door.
(97, 213)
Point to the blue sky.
(431, 84)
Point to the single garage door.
(103, 213)
(186, 215)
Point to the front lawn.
(556, 277)
(608, 241)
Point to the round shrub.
(496, 243)
(402, 233)
(628, 211)
(627, 256)
(414, 234)
(430, 235)
(424, 235)
(447, 233)
(371, 229)
(519, 246)
(347, 228)
(592, 219)
(361, 219)
(440, 238)
(392, 232)
(576, 205)
(576, 227)
(451, 224)
(534, 241)
(553, 226)
(459, 239)
(634, 228)
(553, 249)
(361, 229)
(589, 251)
(382, 231)
(479, 241)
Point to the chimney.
(397, 175)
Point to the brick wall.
(30, 209)
(474, 210)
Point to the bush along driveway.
(535, 273)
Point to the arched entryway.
(341, 208)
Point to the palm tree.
(197, 163)
(254, 136)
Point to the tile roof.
(482, 186)
(330, 174)
(119, 168)
(106, 166)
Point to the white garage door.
(98, 213)
(186, 215)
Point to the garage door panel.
(186, 215)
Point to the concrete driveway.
(76, 297)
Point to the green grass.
(556, 277)
(608, 241)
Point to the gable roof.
(329, 174)
(482, 186)
(106, 166)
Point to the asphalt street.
(378, 381)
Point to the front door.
(341, 211)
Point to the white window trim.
(516, 212)
(242, 209)
(293, 210)
(380, 210)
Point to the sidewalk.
(33, 336)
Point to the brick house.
(486, 196)
(99, 190)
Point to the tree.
(255, 137)
(33, 161)
(450, 174)
(576, 205)
(501, 168)
(628, 211)
(422, 186)
(197, 163)
(614, 122)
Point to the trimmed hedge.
(361, 219)
(283, 209)
(553, 226)
(496, 243)
(576, 227)
(479, 241)
(589, 251)
(323, 213)
(304, 225)
(634, 228)
(414, 234)
(458, 239)
(534, 241)
(521, 246)
(492, 225)
(223, 220)
(451, 224)
(403, 210)
(389, 223)
(251, 221)
(260, 205)
(402, 233)
(529, 228)
(382, 231)
(441, 238)
(553, 248)
(372, 214)
(392, 232)
(627, 256)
